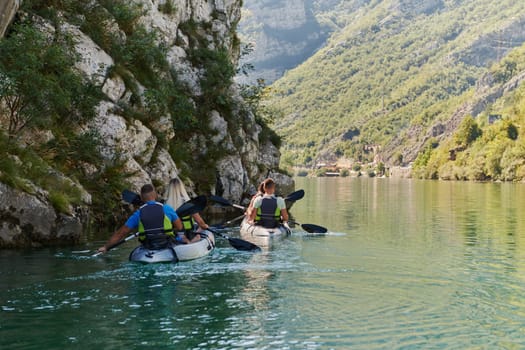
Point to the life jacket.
(155, 228)
(187, 223)
(268, 214)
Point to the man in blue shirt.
(154, 221)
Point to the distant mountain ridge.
(395, 77)
(282, 33)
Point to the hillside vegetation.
(400, 77)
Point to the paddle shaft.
(229, 221)
(130, 237)
(294, 196)
(238, 243)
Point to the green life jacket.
(268, 214)
(155, 228)
(187, 223)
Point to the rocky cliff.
(205, 134)
(8, 10)
(282, 34)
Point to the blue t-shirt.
(133, 221)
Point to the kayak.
(176, 252)
(261, 235)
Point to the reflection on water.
(412, 265)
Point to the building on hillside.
(494, 118)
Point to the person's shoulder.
(257, 200)
(280, 202)
(169, 209)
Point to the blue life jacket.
(155, 228)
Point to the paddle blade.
(220, 200)
(311, 228)
(241, 244)
(237, 243)
(295, 196)
(131, 197)
(193, 206)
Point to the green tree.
(467, 132)
(39, 84)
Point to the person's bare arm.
(115, 238)
(200, 221)
(178, 224)
(253, 213)
(284, 214)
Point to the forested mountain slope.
(400, 75)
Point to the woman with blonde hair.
(176, 196)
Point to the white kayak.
(261, 235)
(176, 252)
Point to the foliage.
(380, 168)
(110, 178)
(40, 86)
(486, 151)
(467, 132)
(42, 89)
(257, 99)
(302, 173)
(22, 167)
(167, 7)
(392, 75)
(321, 172)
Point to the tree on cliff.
(38, 81)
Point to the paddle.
(226, 202)
(221, 225)
(130, 237)
(238, 243)
(131, 197)
(295, 196)
(292, 197)
(191, 207)
(310, 228)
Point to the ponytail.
(268, 183)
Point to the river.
(406, 264)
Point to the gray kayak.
(261, 235)
(176, 252)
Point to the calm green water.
(406, 265)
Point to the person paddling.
(154, 221)
(268, 210)
(177, 195)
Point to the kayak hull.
(176, 252)
(262, 236)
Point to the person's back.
(268, 212)
(269, 209)
(154, 227)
